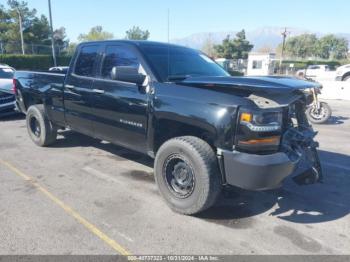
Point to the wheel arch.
(166, 129)
(347, 74)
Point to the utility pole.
(52, 38)
(20, 29)
(284, 35)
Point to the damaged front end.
(298, 143)
(273, 139)
(272, 143)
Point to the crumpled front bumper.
(256, 172)
(262, 172)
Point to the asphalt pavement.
(84, 196)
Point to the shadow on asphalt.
(299, 204)
(12, 117)
(73, 139)
(238, 208)
(336, 120)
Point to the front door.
(120, 109)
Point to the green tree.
(36, 29)
(332, 47)
(6, 24)
(11, 37)
(242, 45)
(308, 45)
(37, 36)
(302, 46)
(95, 33)
(226, 49)
(237, 48)
(136, 33)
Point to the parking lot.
(84, 196)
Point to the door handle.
(70, 86)
(98, 91)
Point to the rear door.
(120, 108)
(78, 89)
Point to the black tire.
(326, 114)
(346, 78)
(195, 158)
(40, 129)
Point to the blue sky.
(194, 16)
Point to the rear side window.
(86, 61)
(118, 56)
(314, 67)
(6, 73)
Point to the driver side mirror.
(127, 74)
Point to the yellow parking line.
(112, 243)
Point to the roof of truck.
(135, 43)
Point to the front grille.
(6, 98)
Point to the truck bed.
(33, 87)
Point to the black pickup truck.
(205, 129)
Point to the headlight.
(259, 131)
(262, 121)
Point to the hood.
(343, 67)
(265, 84)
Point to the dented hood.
(264, 84)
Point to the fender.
(177, 110)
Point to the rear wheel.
(187, 174)
(40, 129)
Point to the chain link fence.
(15, 47)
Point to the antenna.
(168, 25)
(168, 43)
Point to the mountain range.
(264, 37)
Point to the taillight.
(14, 87)
(259, 131)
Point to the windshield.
(6, 73)
(176, 63)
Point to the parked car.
(317, 72)
(7, 96)
(204, 128)
(343, 73)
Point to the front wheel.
(319, 116)
(187, 174)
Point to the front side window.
(170, 62)
(118, 56)
(86, 61)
